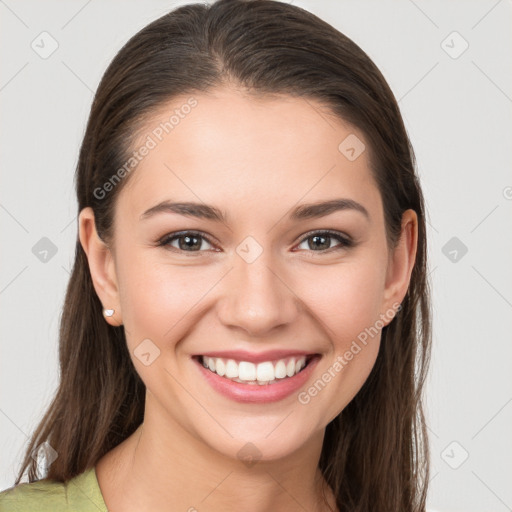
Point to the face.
(274, 284)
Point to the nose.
(256, 297)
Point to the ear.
(101, 265)
(401, 262)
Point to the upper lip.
(256, 357)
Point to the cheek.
(156, 296)
(160, 303)
(346, 302)
(163, 302)
(346, 298)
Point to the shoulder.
(43, 495)
(81, 493)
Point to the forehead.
(247, 153)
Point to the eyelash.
(345, 241)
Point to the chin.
(262, 439)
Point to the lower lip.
(255, 392)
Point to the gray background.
(457, 109)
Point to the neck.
(167, 469)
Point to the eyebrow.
(302, 212)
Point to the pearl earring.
(108, 312)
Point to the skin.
(255, 159)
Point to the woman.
(247, 323)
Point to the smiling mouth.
(266, 372)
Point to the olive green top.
(80, 494)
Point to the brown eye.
(321, 241)
(187, 241)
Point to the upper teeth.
(260, 373)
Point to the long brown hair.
(375, 454)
